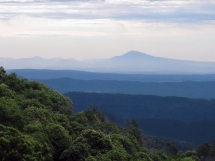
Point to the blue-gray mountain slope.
(130, 62)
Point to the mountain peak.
(35, 57)
(134, 54)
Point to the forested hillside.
(38, 124)
(189, 89)
(146, 106)
(190, 120)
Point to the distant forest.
(184, 119)
(83, 75)
(190, 86)
(181, 89)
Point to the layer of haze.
(84, 29)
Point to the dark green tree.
(89, 143)
(132, 128)
(10, 113)
(203, 151)
(170, 149)
(2, 73)
(16, 146)
(59, 138)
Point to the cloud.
(54, 33)
(101, 18)
(181, 11)
(21, 1)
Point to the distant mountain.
(39, 63)
(135, 56)
(137, 62)
(130, 62)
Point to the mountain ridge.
(130, 62)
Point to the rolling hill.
(190, 120)
(188, 89)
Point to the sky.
(100, 29)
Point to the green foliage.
(16, 146)
(187, 159)
(118, 154)
(98, 142)
(90, 158)
(10, 114)
(89, 143)
(76, 128)
(110, 128)
(158, 156)
(6, 92)
(94, 116)
(141, 156)
(132, 128)
(76, 152)
(59, 138)
(191, 153)
(130, 144)
(24, 103)
(2, 73)
(80, 118)
(37, 114)
(170, 149)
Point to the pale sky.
(94, 29)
